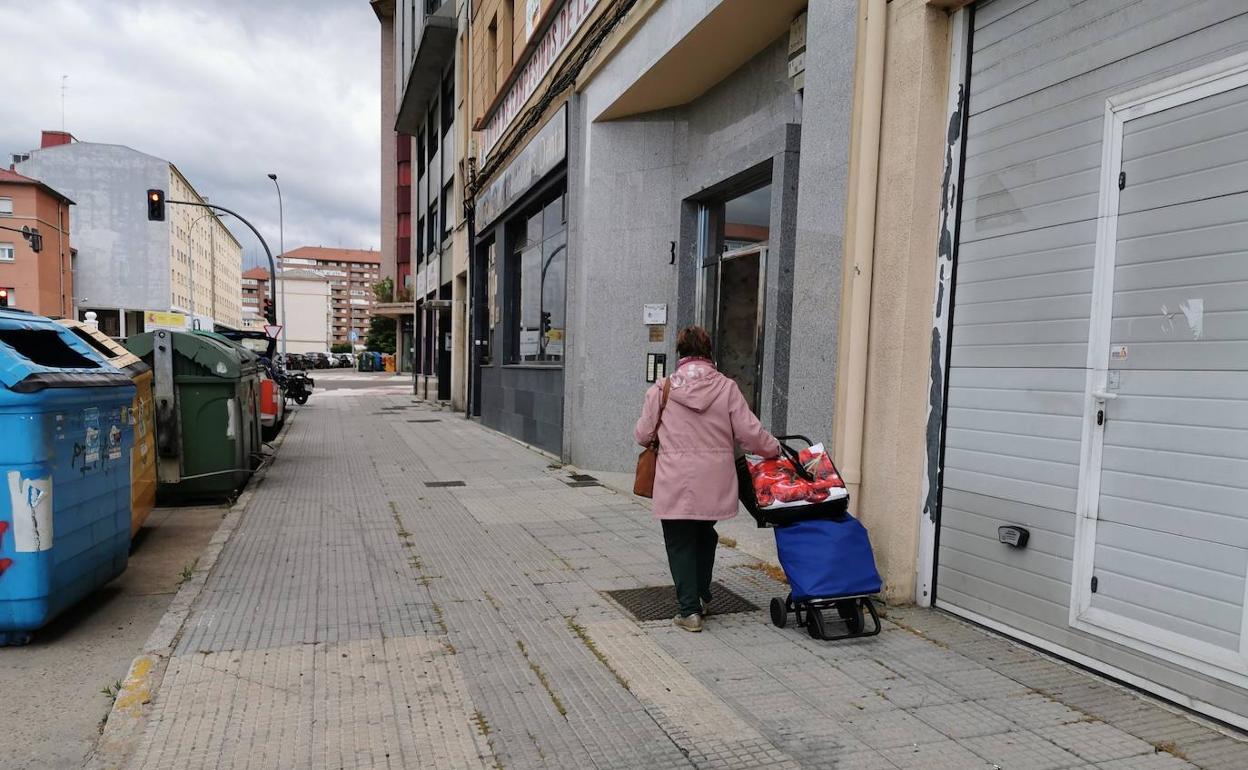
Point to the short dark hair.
(693, 341)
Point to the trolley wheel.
(301, 399)
(779, 615)
(814, 623)
(851, 613)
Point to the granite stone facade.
(636, 185)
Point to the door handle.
(1101, 395)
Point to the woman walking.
(699, 418)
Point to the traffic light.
(545, 321)
(32, 235)
(155, 205)
(4, 297)
(266, 308)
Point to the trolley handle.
(797, 436)
(794, 458)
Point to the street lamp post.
(281, 248)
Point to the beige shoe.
(691, 623)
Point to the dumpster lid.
(38, 353)
(106, 346)
(217, 356)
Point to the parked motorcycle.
(298, 386)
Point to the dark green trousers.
(691, 556)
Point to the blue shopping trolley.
(826, 555)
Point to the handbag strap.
(667, 387)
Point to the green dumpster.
(207, 394)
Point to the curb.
(124, 726)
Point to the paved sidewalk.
(359, 617)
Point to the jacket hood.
(696, 384)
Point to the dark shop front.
(520, 262)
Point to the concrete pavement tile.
(1095, 741)
(1032, 710)
(964, 720)
(1021, 750)
(941, 755)
(1159, 761)
(889, 729)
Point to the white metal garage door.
(1098, 384)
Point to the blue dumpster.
(65, 499)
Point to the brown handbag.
(643, 482)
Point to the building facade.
(351, 274)
(43, 282)
(255, 283)
(643, 167)
(1050, 406)
(422, 188)
(189, 263)
(308, 322)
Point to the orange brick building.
(41, 283)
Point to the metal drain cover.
(659, 602)
(424, 420)
(435, 484)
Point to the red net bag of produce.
(778, 484)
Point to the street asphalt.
(54, 700)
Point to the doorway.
(733, 247)
(738, 321)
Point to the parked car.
(346, 360)
(320, 360)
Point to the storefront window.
(540, 259)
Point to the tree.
(340, 347)
(383, 290)
(380, 337)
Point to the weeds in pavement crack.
(583, 635)
(1168, 747)
(728, 541)
(111, 691)
(441, 619)
(495, 603)
(187, 572)
(541, 677)
(483, 727)
(540, 754)
(770, 570)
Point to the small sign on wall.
(654, 315)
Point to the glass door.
(738, 319)
(732, 241)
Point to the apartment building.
(255, 290)
(424, 141)
(190, 263)
(41, 282)
(351, 274)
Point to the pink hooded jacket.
(706, 416)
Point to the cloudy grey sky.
(228, 90)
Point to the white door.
(1162, 536)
